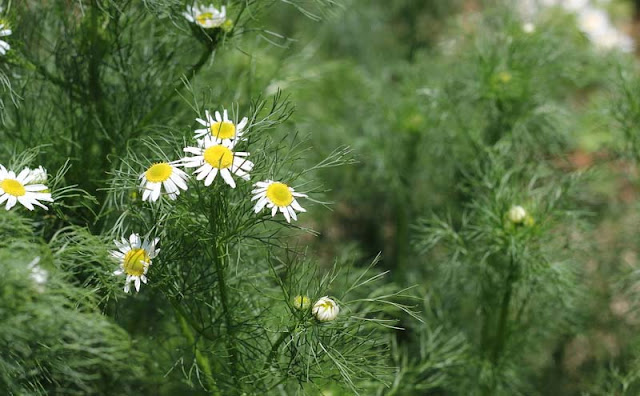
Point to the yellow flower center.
(279, 194)
(204, 17)
(159, 172)
(218, 156)
(13, 187)
(223, 130)
(135, 260)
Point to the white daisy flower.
(162, 174)
(213, 156)
(206, 17)
(325, 309)
(4, 31)
(21, 189)
(135, 257)
(221, 127)
(277, 195)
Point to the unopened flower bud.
(301, 302)
(517, 214)
(325, 309)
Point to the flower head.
(135, 257)
(221, 127)
(21, 188)
(4, 31)
(207, 17)
(162, 174)
(325, 309)
(277, 195)
(301, 303)
(213, 156)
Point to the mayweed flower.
(301, 302)
(162, 174)
(325, 309)
(221, 127)
(135, 257)
(206, 17)
(214, 156)
(21, 189)
(38, 274)
(4, 31)
(517, 214)
(277, 195)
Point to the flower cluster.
(214, 154)
(26, 187)
(324, 310)
(592, 21)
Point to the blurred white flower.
(38, 274)
(597, 26)
(162, 174)
(4, 31)
(21, 188)
(572, 5)
(528, 27)
(325, 309)
(208, 17)
(277, 195)
(135, 257)
(593, 22)
(211, 157)
(517, 214)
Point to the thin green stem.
(228, 319)
(276, 346)
(201, 359)
(204, 57)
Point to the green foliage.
(470, 183)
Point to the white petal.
(226, 175)
(211, 176)
(11, 202)
(285, 212)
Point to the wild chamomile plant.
(511, 255)
(89, 75)
(53, 334)
(240, 200)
